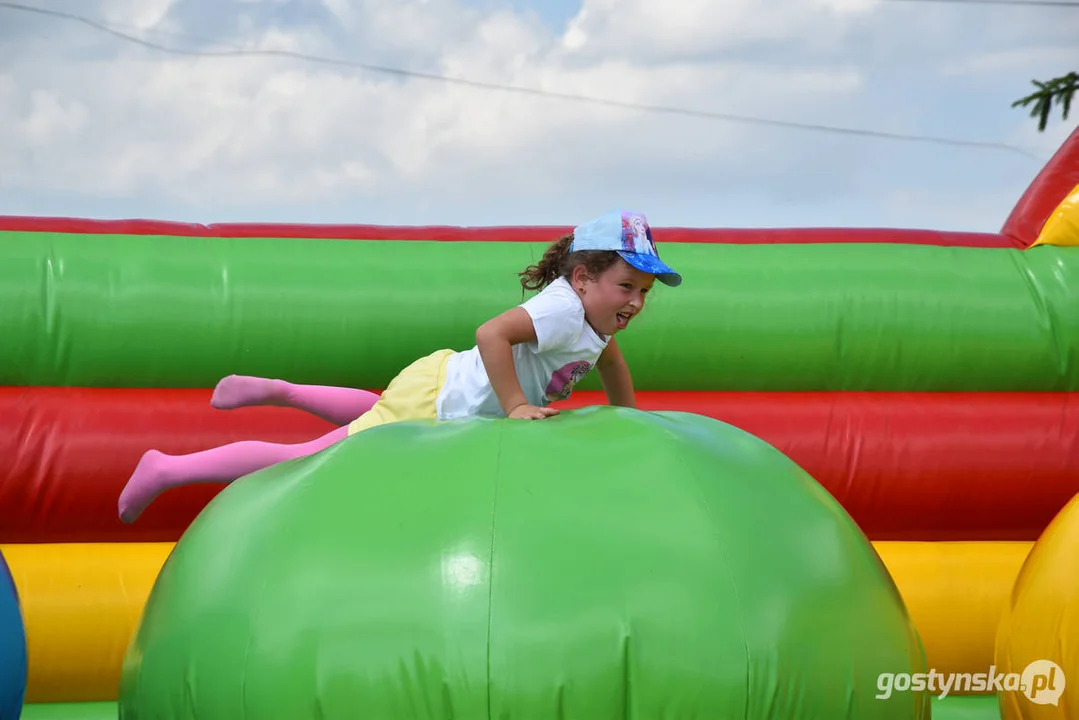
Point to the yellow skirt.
(409, 396)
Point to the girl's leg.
(157, 472)
(338, 405)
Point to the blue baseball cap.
(628, 234)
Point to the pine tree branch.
(1060, 90)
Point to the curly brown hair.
(558, 261)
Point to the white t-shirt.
(565, 350)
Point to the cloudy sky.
(95, 125)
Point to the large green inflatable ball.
(604, 563)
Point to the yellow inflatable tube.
(1062, 227)
(956, 594)
(81, 604)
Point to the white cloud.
(1041, 61)
(141, 14)
(652, 31)
(212, 134)
(405, 31)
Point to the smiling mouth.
(622, 320)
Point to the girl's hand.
(531, 412)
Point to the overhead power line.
(745, 119)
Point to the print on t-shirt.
(565, 378)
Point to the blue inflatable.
(12, 647)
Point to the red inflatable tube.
(539, 234)
(1058, 178)
(65, 454)
(906, 466)
(916, 466)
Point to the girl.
(592, 281)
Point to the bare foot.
(237, 391)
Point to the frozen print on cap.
(637, 235)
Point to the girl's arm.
(495, 340)
(615, 377)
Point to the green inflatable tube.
(966, 707)
(954, 707)
(70, 711)
(153, 311)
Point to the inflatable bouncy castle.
(850, 489)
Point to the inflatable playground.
(851, 489)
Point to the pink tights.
(157, 472)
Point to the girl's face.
(614, 298)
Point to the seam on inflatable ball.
(726, 562)
(491, 559)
